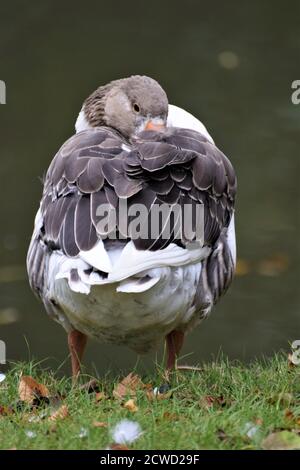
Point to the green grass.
(212, 409)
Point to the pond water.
(230, 64)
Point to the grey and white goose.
(97, 281)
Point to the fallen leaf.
(118, 447)
(207, 401)
(99, 424)
(53, 402)
(289, 415)
(100, 396)
(210, 400)
(131, 406)
(30, 390)
(258, 421)
(291, 418)
(61, 413)
(128, 386)
(6, 411)
(283, 440)
(148, 386)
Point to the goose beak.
(155, 125)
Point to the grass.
(212, 409)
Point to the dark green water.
(53, 54)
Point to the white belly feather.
(141, 297)
(137, 319)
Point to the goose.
(136, 283)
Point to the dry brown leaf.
(289, 415)
(128, 386)
(29, 389)
(208, 400)
(130, 405)
(6, 411)
(118, 447)
(150, 395)
(101, 396)
(61, 413)
(258, 421)
(100, 424)
(148, 387)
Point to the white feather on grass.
(125, 432)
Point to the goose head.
(129, 105)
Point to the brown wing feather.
(178, 166)
(195, 171)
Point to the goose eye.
(136, 108)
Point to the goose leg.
(77, 342)
(174, 342)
